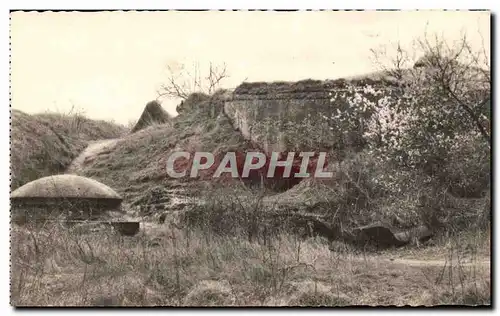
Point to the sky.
(108, 65)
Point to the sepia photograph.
(250, 158)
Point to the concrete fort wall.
(289, 105)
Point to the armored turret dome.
(63, 196)
(65, 186)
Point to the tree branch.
(184, 83)
(472, 115)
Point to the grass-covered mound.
(45, 144)
(138, 164)
(153, 114)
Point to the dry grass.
(153, 114)
(380, 78)
(45, 144)
(170, 267)
(140, 159)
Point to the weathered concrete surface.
(62, 197)
(64, 186)
(419, 233)
(383, 236)
(378, 235)
(290, 104)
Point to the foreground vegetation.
(171, 267)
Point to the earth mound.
(46, 144)
(153, 114)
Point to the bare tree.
(457, 74)
(463, 76)
(183, 82)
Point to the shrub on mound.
(192, 102)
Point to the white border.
(185, 4)
(254, 4)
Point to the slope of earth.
(93, 150)
(46, 144)
(137, 166)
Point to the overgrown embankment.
(45, 144)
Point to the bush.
(193, 101)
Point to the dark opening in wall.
(277, 181)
